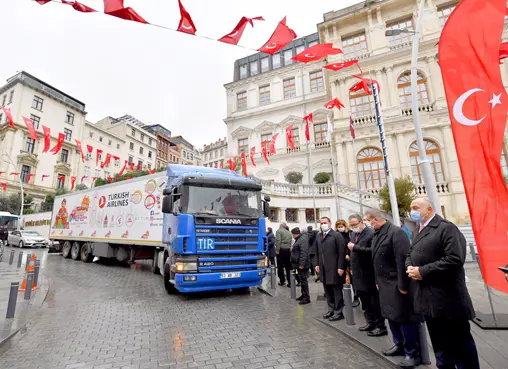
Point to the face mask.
(357, 230)
(367, 223)
(416, 216)
(325, 227)
(341, 229)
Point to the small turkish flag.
(234, 36)
(221, 166)
(232, 164)
(83, 178)
(186, 24)
(14, 174)
(30, 126)
(289, 136)
(139, 167)
(131, 166)
(29, 178)
(47, 138)
(61, 178)
(115, 158)
(80, 148)
(252, 153)
(79, 7)
(352, 128)
(316, 52)
(123, 168)
(282, 36)
(272, 144)
(8, 114)
(59, 143)
(340, 65)
(44, 176)
(42, 2)
(152, 171)
(116, 9)
(107, 161)
(364, 84)
(4, 186)
(110, 179)
(73, 181)
(89, 148)
(244, 164)
(335, 103)
(308, 122)
(97, 155)
(264, 152)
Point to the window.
(313, 43)
(354, 46)
(131, 159)
(265, 64)
(107, 174)
(371, 170)
(149, 166)
(295, 134)
(361, 105)
(36, 120)
(68, 134)
(288, 54)
(118, 146)
(110, 142)
(316, 81)
(25, 173)
(276, 61)
(100, 138)
(37, 103)
(254, 68)
(90, 134)
(97, 173)
(206, 156)
(241, 100)
(264, 95)
(133, 132)
(4, 99)
(69, 118)
(310, 216)
(320, 133)
(434, 155)
(60, 182)
(289, 88)
(444, 12)
(30, 145)
(403, 38)
(131, 146)
(150, 154)
(86, 172)
(140, 163)
(142, 137)
(243, 71)
(292, 215)
(216, 154)
(299, 49)
(150, 141)
(404, 85)
(221, 152)
(140, 150)
(11, 96)
(274, 215)
(243, 145)
(266, 138)
(64, 156)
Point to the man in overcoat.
(436, 262)
(283, 240)
(363, 273)
(271, 245)
(390, 246)
(330, 261)
(300, 262)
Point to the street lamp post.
(20, 186)
(429, 179)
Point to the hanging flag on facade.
(252, 153)
(47, 138)
(341, 65)
(334, 103)
(55, 150)
(30, 126)
(244, 164)
(364, 85)
(289, 137)
(97, 156)
(282, 36)
(316, 52)
(123, 168)
(116, 8)
(352, 128)
(272, 144)
(83, 178)
(264, 151)
(107, 161)
(80, 148)
(8, 114)
(30, 177)
(234, 36)
(4, 186)
(73, 181)
(186, 24)
(14, 173)
(44, 176)
(308, 121)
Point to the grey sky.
(158, 76)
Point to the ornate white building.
(263, 100)
(215, 154)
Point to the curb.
(261, 289)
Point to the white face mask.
(325, 227)
(357, 230)
(341, 229)
(367, 223)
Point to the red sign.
(102, 201)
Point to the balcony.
(442, 189)
(426, 108)
(363, 120)
(401, 45)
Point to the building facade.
(186, 150)
(215, 155)
(164, 144)
(28, 96)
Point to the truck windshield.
(224, 202)
(9, 222)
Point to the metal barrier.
(11, 304)
(347, 292)
(11, 259)
(29, 284)
(20, 258)
(424, 344)
(292, 280)
(273, 278)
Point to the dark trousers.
(371, 308)
(303, 275)
(272, 261)
(284, 265)
(453, 344)
(407, 336)
(334, 298)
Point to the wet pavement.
(103, 316)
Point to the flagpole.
(332, 162)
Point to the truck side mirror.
(266, 209)
(167, 204)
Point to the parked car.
(27, 239)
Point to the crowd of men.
(398, 277)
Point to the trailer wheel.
(155, 262)
(170, 287)
(66, 250)
(76, 251)
(86, 256)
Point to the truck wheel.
(86, 257)
(66, 250)
(155, 263)
(170, 287)
(75, 251)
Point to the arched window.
(361, 104)
(433, 154)
(371, 170)
(404, 85)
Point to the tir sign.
(206, 244)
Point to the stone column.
(344, 97)
(449, 160)
(282, 215)
(351, 164)
(342, 163)
(392, 87)
(302, 219)
(435, 83)
(395, 157)
(405, 168)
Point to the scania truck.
(203, 228)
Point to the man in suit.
(271, 245)
(283, 240)
(300, 261)
(330, 261)
(436, 261)
(363, 273)
(390, 246)
(312, 237)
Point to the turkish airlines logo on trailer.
(228, 221)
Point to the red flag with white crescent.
(186, 24)
(97, 155)
(308, 121)
(4, 186)
(503, 51)
(272, 144)
(334, 103)
(80, 148)
(30, 177)
(42, 2)
(478, 104)
(83, 178)
(316, 52)
(282, 36)
(289, 137)
(106, 161)
(364, 85)
(47, 138)
(264, 152)
(79, 7)
(44, 176)
(123, 168)
(73, 181)
(341, 65)
(30, 126)
(8, 114)
(234, 36)
(14, 174)
(55, 150)
(244, 164)
(131, 166)
(352, 128)
(252, 153)
(89, 148)
(115, 8)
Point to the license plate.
(230, 275)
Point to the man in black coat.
(390, 246)
(436, 261)
(271, 245)
(330, 261)
(363, 273)
(300, 262)
(312, 238)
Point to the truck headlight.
(186, 267)
(262, 263)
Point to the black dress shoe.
(304, 302)
(281, 284)
(328, 315)
(289, 286)
(395, 350)
(336, 318)
(410, 362)
(298, 285)
(367, 327)
(356, 303)
(299, 298)
(378, 332)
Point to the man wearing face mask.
(436, 262)
(366, 221)
(300, 261)
(330, 261)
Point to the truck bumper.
(213, 281)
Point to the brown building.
(167, 151)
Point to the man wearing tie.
(436, 262)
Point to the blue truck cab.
(214, 230)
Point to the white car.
(27, 239)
